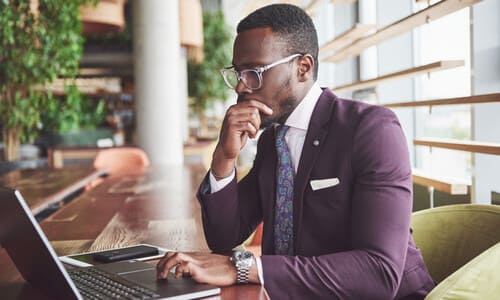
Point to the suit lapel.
(313, 143)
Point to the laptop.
(36, 260)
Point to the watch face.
(243, 255)
(247, 254)
(243, 258)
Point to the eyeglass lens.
(250, 78)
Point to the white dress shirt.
(298, 121)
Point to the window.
(447, 38)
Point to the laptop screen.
(29, 249)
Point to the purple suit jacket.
(352, 240)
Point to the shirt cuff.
(216, 186)
(259, 270)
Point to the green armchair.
(461, 248)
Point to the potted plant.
(72, 120)
(37, 45)
(205, 85)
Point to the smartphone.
(125, 253)
(86, 259)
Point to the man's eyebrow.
(247, 66)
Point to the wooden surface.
(157, 207)
(58, 155)
(477, 99)
(432, 67)
(450, 186)
(104, 17)
(356, 32)
(44, 187)
(200, 151)
(461, 145)
(429, 14)
(312, 4)
(310, 7)
(343, 1)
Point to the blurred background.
(76, 76)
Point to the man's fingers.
(161, 264)
(184, 269)
(242, 121)
(243, 138)
(247, 120)
(196, 272)
(257, 104)
(246, 113)
(251, 129)
(170, 261)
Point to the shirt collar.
(301, 115)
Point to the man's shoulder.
(349, 110)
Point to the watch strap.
(242, 277)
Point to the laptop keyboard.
(96, 284)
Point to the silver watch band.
(242, 277)
(243, 261)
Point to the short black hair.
(290, 23)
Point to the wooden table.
(44, 187)
(156, 207)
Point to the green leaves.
(74, 113)
(35, 50)
(205, 84)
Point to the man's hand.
(203, 268)
(242, 121)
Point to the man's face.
(256, 48)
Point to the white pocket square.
(319, 184)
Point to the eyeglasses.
(251, 78)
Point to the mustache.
(241, 99)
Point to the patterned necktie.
(283, 221)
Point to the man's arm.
(381, 208)
(230, 214)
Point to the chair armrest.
(478, 279)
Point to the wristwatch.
(242, 260)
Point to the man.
(333, 187)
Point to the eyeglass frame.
(258, 70)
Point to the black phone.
(125, 253)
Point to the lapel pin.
(316, 142)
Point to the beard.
(285, 108)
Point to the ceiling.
(117, 62)
(235, 10)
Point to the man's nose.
(241, 88)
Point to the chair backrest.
(121, 160)
(450, 236)
(254, 242)
(257, 236)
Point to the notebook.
(36, 260)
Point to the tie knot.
(282, 129)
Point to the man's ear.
(306, 67)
